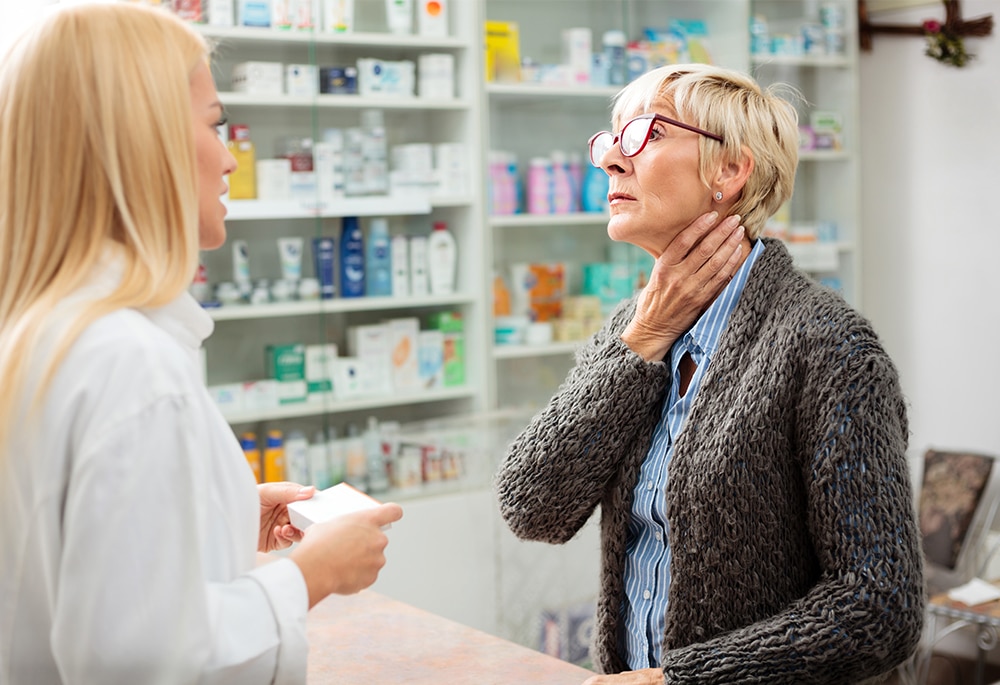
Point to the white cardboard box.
(328, 504)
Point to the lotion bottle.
(352, 259)
(378, 261)
(441, 259)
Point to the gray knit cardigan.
(796, 556)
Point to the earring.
(718, 196)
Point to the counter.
(369, 639)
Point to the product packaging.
(442, 257)
(243, 181)
(338, 16)
(432, 18)
(352, 259)
(324, 257)
(399, 16)
(328, 504)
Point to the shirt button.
(649, 485)
(658, 535)
(647, 594)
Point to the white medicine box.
(257, 78)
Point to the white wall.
(931, 180)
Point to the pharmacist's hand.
(344, 555)
(276, 531)
(691, 272)
(647, 676)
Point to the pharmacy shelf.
(536, 91)
(526, 351)
(587, 219)
(368, 205)
(301, 409)
(251, 35)
(242, 312)
(346, 101)
(823, 155)
(821, 61)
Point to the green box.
(287, 365)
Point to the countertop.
(370, 639)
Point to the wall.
(930, 175)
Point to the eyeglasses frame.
(653, 117)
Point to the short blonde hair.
(752, 120)
(96, 148)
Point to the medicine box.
(403, 334)
(301, 80)
(338, 80)
(384, 77)
(430, 359)
(257, 78)
(436, 76)
(328, 504)
(372, 345)
(319, 369)
(286, 364)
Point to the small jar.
(227, 293)
(283, 290)
(309, 289)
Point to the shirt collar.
(704, 336)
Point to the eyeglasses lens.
(601, 144)
(634, 136)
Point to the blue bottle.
(595, 190)
(352, 259)
(378, 260)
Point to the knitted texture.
(796, 555)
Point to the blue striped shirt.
(647, 565)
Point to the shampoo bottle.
(274, 457)
(378, 262)
(248, 441)
(441, 259)
(352, 259)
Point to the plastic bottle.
(562, 184)
(378, 262)
(355, 459)
(539, 186)
(319, 462)
(501, 296)
(419, 282)
(760, 39)
(513, 192)
(614, 53)
(274, 457)
(248, 441)
(336, 455)
(576, 179)
(378, 476)
(442, 255)
(297, 458)
(595, 190)
(352, 259)
(400, 261)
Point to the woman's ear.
(732, 175)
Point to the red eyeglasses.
(635, 135)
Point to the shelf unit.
(235, 351)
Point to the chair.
(958, 504)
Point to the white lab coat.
(129, 521)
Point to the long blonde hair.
(750, 119)
(96, 145)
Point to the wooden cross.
(953, 24)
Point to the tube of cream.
(290, 251)
(399, 15)
(324, 256)
(241, 262)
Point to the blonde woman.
(740, 426)
(129, 521)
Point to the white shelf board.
(834, 61)
(451, 200)
(248, 35)
(518, 91)
(575, 219)
(323, 100)
(823, 155)
(366, 205)
(301, 409)
(240, 312)
(523, 351)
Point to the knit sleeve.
(556, 471)
(864, 614)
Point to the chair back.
(958, 503)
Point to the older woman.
(739, 425)
(129, 520)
